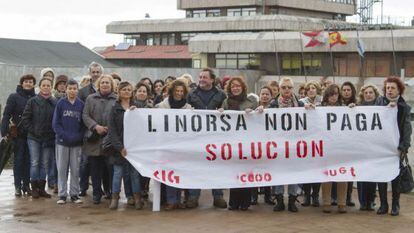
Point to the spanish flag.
(336, 38)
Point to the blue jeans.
(52, 171)
(194, 194)
(292, 189)
(84, 172)
(39, 158)
(21, 164)
(119, 172)
(173, 195)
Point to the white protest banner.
(207, 149)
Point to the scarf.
(176, 104)
(235, 101)
(395, 100)
(45, 95)
(287, 102)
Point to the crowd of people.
(61, 128)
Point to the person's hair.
(364, 88)
(267, 88)
(315, 84)
(302, 87)
(146, 78)
(175, 84)
(116, 76)
(210, 71)
(329, 91)
(188, 77)
(95, 64)
(85, 80)
(122, 85)
(111, 80)
(142, 84)
(45, 79)
(157, 81)
(72, 82)
(396, 80)
(242, 83)
(286, 79)
(169, 77)
(27, 77)
(353, 89)
(273, 84)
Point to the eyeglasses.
(286, 87)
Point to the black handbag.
(106, 145)
(406, 176)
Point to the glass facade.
(237, 61)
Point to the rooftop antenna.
(366, 11)
(147, 15)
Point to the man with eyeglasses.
(206, 96)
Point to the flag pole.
(393, 51)
(331, 54)
(361, 58)
(276, 54)
(303, 54)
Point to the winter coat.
(116, 133)
(85, 91)
(250, 102)
(96, 112)
(403, 119)
(14, 110)
(37, 119)
(67, 122)
(214, 103)
(275, 102)
(166, 104)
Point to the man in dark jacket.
(206, 96)
(95, 72)
(13, 111)
(69, 129)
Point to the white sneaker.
(61, 201)
(76, 200)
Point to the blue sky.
(84, 21)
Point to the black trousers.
(101, 172)
(240, 198)
(312, 189)
(366, 193)
(382, 189)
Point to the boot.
(315, 200)
(280, 205)
(395, 210)
(42, 192)
(255, 196)
(27, 190)
(138, 202)
(268, 196)
(383, 208)
(306, 200)
(291, 204)
(349, 201)
(114, 201)
(35, 189)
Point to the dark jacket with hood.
(37, 119)
(14, 110)
(215, 101)
(403, 119)
(67, 122)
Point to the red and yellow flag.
(336, 38)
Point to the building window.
(292, 64)
(237, 61)
(378, 65)
(197, 64)
(241, 11)
(199, 14)
(185, 37)
(213, 13)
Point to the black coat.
(214, 103)
(37, 119)
(116, 133)
(14, 110)
(403, 119)
(85, 91)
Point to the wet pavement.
(44, 215)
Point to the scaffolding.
(366, 11)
